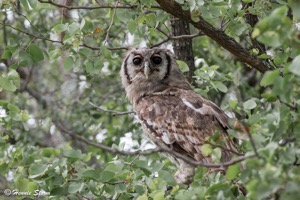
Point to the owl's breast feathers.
(184, 121)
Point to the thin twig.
(186, 36)
(199, 163)
(30, 22)
(32, 35)
(88, 7)
(160, 43)
(245, 131)
(109, 48)
(61, 42)
(115, 113)
(111, 22)
(222, 147)
(175, 38)
(292, 107)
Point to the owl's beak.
(147, 70)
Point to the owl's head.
(146, 71)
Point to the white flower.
(2, 112)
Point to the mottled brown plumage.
(171, 113)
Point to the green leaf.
(36, 170)
(59, 191)
(6, 54)
(270, 97)
(4, 168)
(295, 66)
(221, 87)
(158, 195)
(13, 108)
(250, 104)
(26, 4)
(168, 177)
(206, 149)
(248, 1)
(7, 85)
(233, 171)
(21, 184)
(91, 174)
(32, 187)
(114, 167)
(106, 176)
(35, 52)
(72, 154)
(142, 197)
(143, 165)
(131, 26)
(269, 77)
(89, 67)
(60, 28)
(75, 187)
(69, 62)
(158, 184)
(73, 29)
(182, 66)
(105, 52)
(151, 20)
(274, 29)
(216, 154)
(216, 187)
(233, 103)
(295, 6)
(48, 152)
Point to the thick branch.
(217, 35)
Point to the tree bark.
(217, 35)
(183, 48)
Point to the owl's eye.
(156, 60)
(137, 60)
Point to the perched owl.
(171, 113)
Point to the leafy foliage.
(54, 61)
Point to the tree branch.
(89, 7)
(62, 128)
(217, 35)
(202, 164)
(115, 113)
(111, 22)
(160, 148)
(61, 42)
(169, 37)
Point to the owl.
(171, 113)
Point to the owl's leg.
(185, 174)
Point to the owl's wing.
(185, 123)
